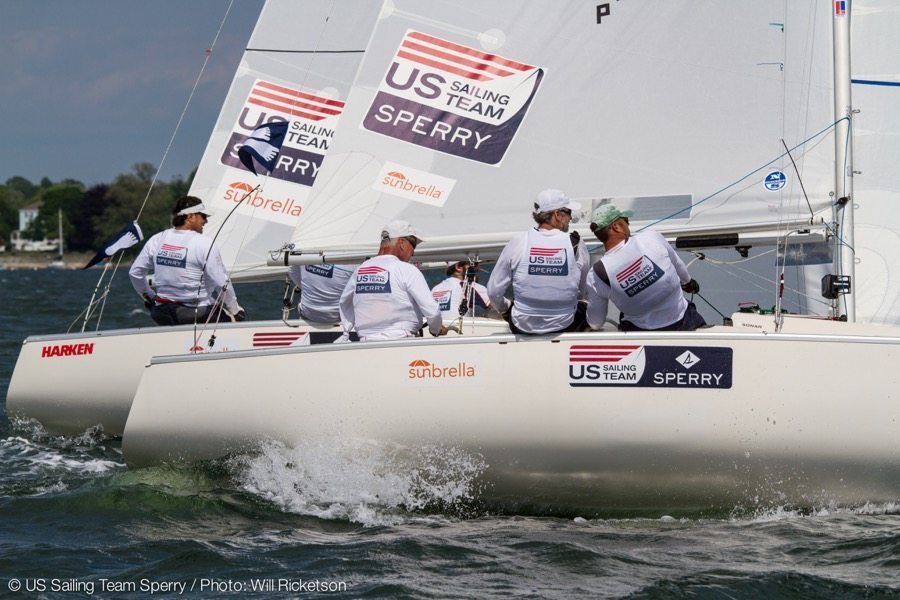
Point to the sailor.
(387, 297)
(642, 275)
(320, 290)
(460, 286)
(187, 271)
(546, 268)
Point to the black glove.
(691, 287)
(148, 302)
(240, 315)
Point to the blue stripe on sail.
(875, 82)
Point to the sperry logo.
(547, 261)
(67, 350)
(422, 369)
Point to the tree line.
(90, 216)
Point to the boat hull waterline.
(716, 418)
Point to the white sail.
(876, 95)
(297, 67)
(463, 111)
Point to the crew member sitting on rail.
(546, 268)
(387, 297)
(187, 271)
(642, 275)
(320, 290)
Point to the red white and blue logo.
(452, 98)
(638, 276)
(601, 365)
(547, 261)
(373, 279)
(442, 297)
(170, 255)
(840, 7)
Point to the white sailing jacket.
(645, 277)
(547, 279)
(387, 299)
(182, 272)
(321, 287)
(449, 295)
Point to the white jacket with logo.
(449, 295)
(387, 299)
(186, 268)
(321, 287)
(645, 276)
(546, 276)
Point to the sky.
(89, 88)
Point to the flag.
(129, 236)
(263, 144)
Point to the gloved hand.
(148, 302)
(240, 315)
(691, 287)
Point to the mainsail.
(876, 94)
(297, 68)
(463, 111)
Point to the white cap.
(399, 229)
(197, 208)
(550, 200)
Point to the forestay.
(463, 111)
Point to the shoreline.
(19, 261)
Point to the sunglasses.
(565, 211)
(412, 241)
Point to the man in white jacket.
(387, 298)
(187, 271)
(546, 268)
(642, 275)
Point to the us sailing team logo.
(373, 280)
(602, 365)
(547, 261)
(170, 255)
(452, 98)
(638, 276)
(308, 122)
(442, 297)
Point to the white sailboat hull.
(787, 429)
(73, 382)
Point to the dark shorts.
(579, 322)
(171, 313)
(690, 321)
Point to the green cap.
(606, 214)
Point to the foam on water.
(364, 482)
(48, 461)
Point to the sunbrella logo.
(413, 184)
(284, 210)
(422, 369)
(452, 98)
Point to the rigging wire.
(121, 253)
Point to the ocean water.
(314, 522)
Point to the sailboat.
(718, 124)
(59, 262)
(298, 67)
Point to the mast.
(59, 222)
(843, 154)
